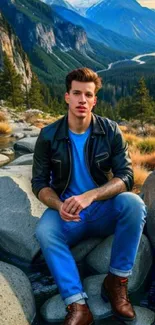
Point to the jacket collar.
(62, 132)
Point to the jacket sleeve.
(41, 165)
(121, 161)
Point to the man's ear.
(67, 98)
(95, 100)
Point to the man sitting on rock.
(82, 172)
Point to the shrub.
(5, 128)
(146, 145)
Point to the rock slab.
(19, 213)
(99, 260)
(17, 306)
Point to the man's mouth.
(81, 107)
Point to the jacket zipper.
(86, 160)
(70, 158)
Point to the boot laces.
(123, 292)
(71, 313)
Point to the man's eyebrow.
(79, 91)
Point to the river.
(134, 59)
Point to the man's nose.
(82, 98)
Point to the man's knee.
(49, 226)
(133, 205)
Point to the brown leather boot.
(114, 289)
(78, 315)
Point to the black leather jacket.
(105, 152)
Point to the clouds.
(147, 3)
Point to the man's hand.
(77, 203)
(68, 216)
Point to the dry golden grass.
(146, 145)
(144, 160)
(140, 175)
(3, 117)
(123, 128)
(132, 139)
(5, 128)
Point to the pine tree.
(10, 84)
(142, 106)
(35, 97)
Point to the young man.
(82, 172)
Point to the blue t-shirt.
(81, 180)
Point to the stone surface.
(8, 152)
(18, 218)
(148, 189)
(23, 160)
(53, 310)
(3, 160)
(84, 247)
(26, 144)
(151, 223)
(101, 310)
(99, 259)
(17, 306)
(144, 316)
(18, 135)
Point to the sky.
(145, 3)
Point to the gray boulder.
(26, 144)
(18, 218)
(151, 223)
(102, 310)
(54, 309)
(148, 189)
(23, 160)
(84, 247)
(99, 260)
(17, 305)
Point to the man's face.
(81, 98)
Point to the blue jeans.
(123, 215)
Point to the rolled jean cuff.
(122, 273)
(75, 298)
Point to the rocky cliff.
(36, 24)
(10, 44)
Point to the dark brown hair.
(83, 75)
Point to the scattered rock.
(18, 135)
(99, 260)
(26, 144)
(8, 152)
(17, 302)
(23, 160)
(3, 160)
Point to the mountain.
(62, 3)
(128, 18)
(10, 44)
(54, 45)
(107, 37)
